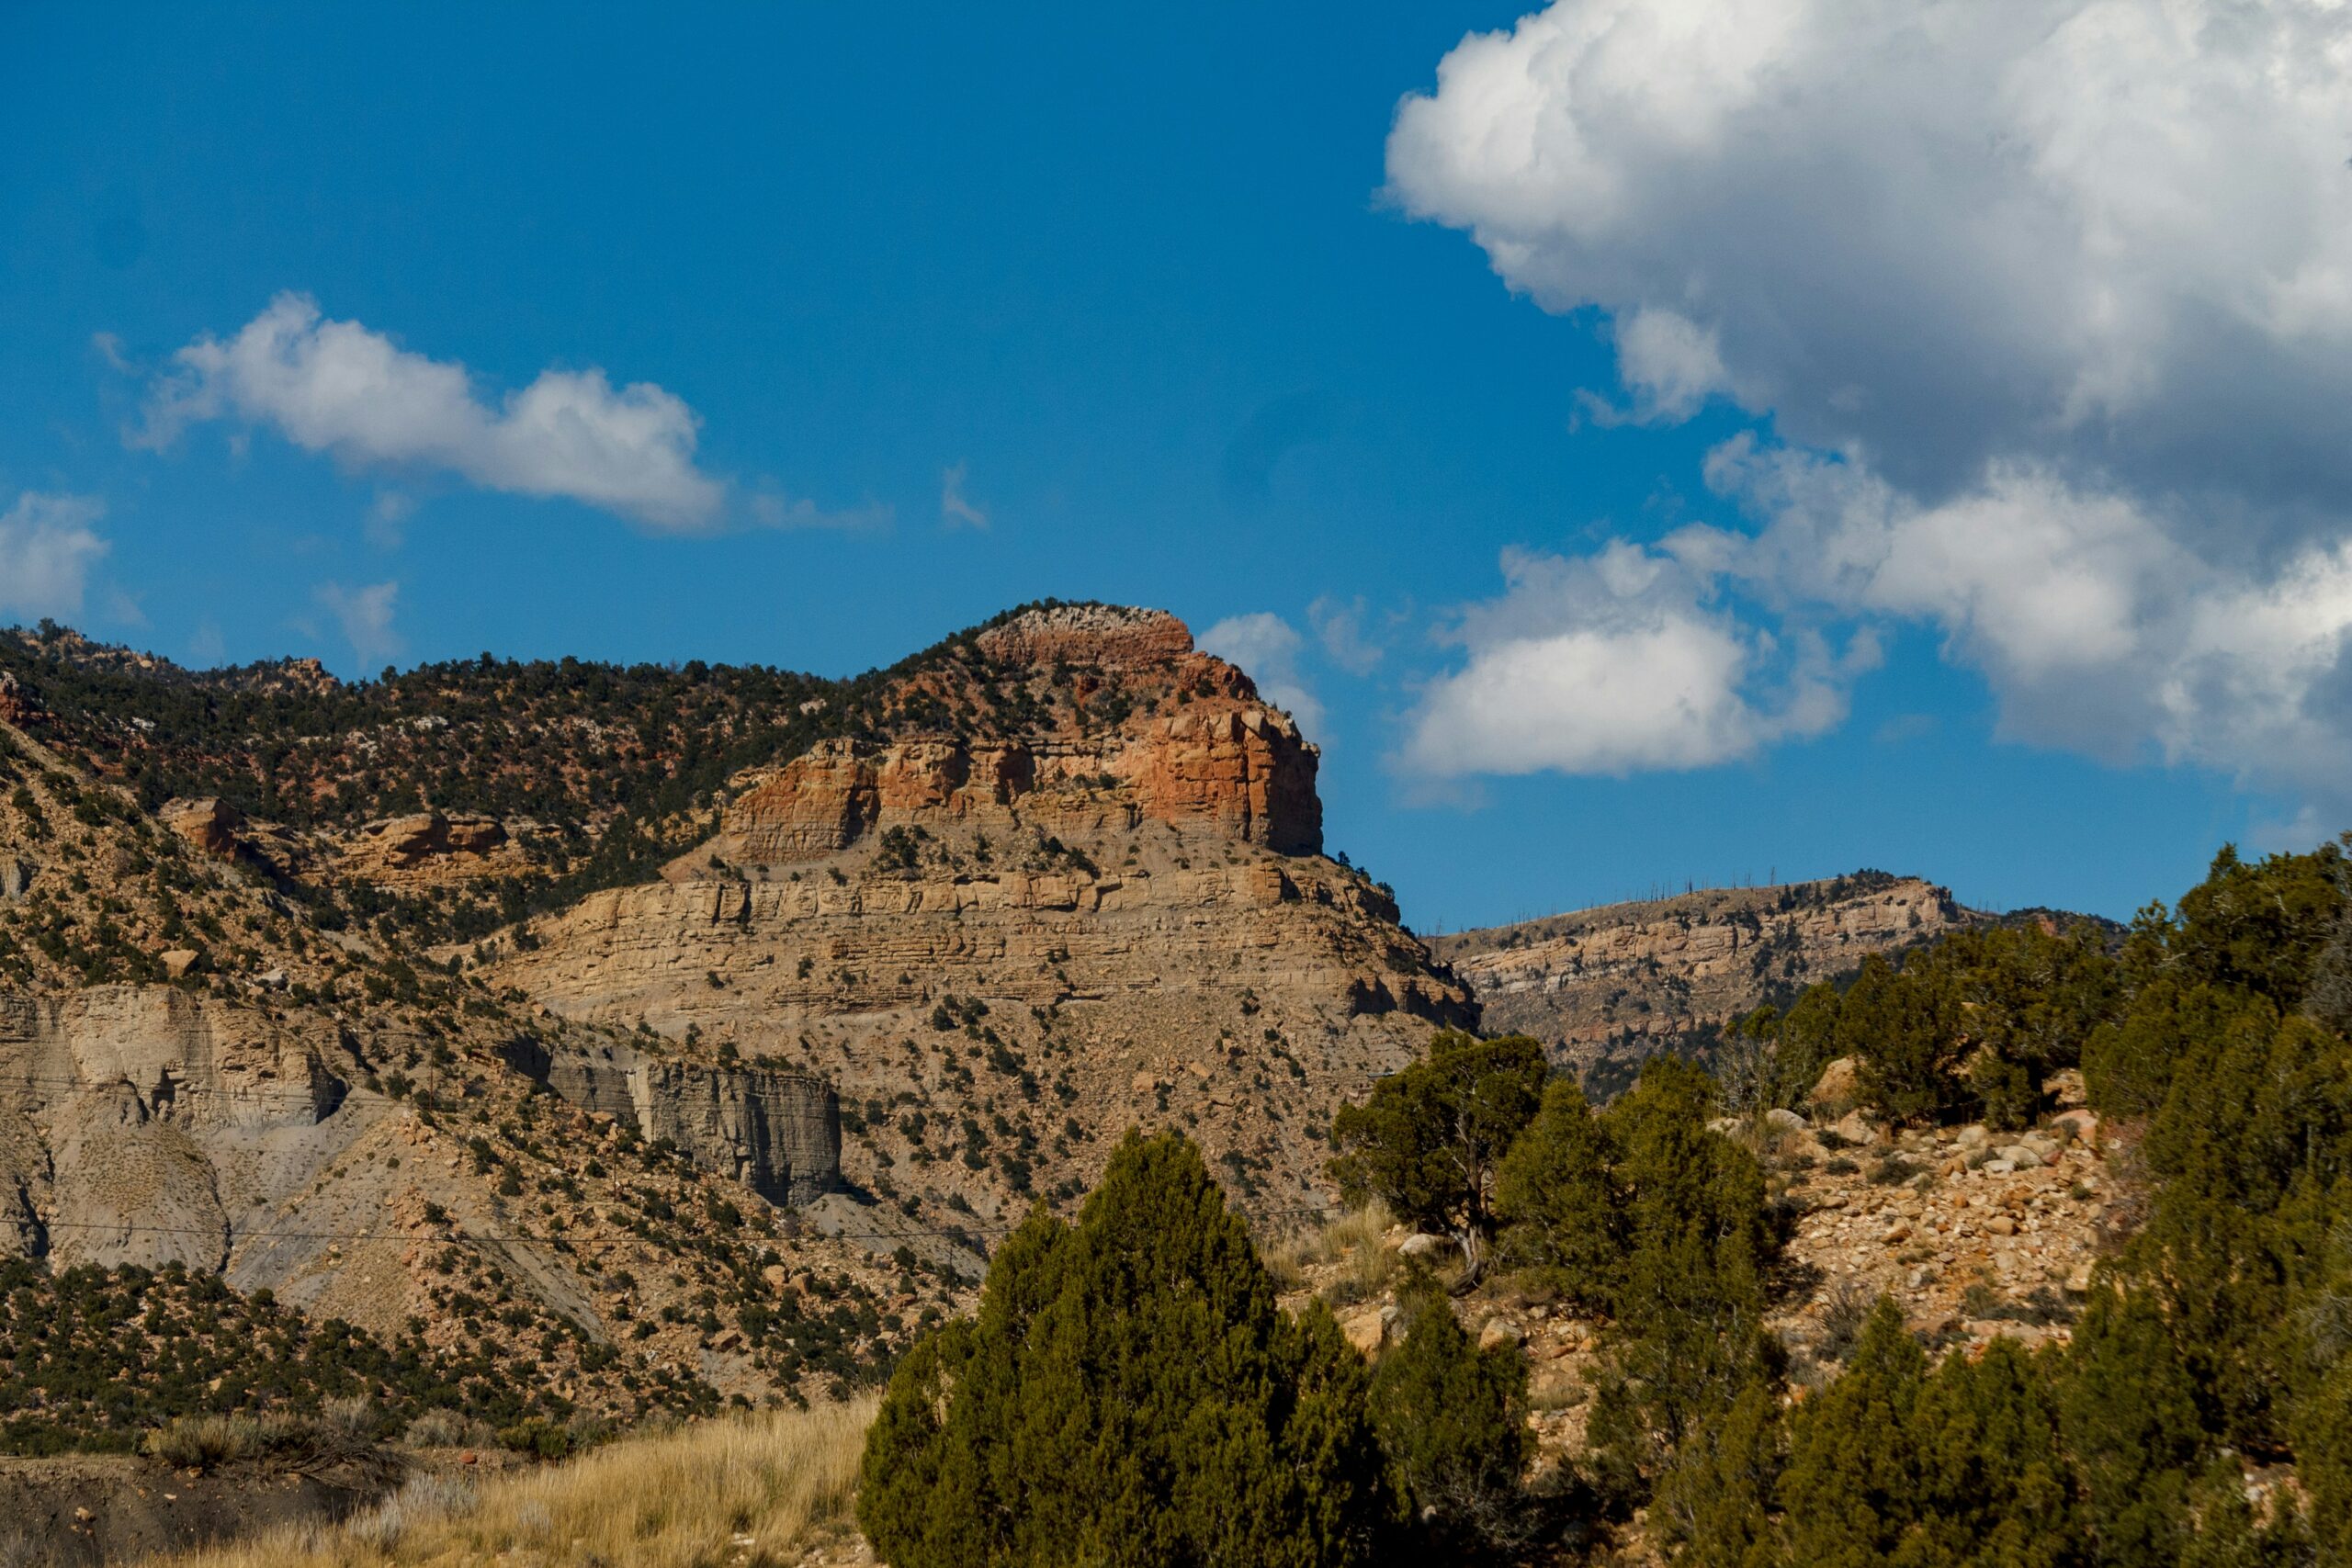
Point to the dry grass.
(751, 1490)
(1352, 1240)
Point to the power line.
(523, 1237)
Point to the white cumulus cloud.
(47, 546)
(1620, 662)
(341, 388)
(2049, 301)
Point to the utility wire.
(520, 1237)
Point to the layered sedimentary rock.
(1129, 893)
(1240, 770)
(145, 1125)
(778, 1132)
(429, 847)
(1623, 980)
(1106, 636)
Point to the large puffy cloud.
(1615, 663)
(338, 387)
(47, 546)
(2049, 299)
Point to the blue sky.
(1626, 475)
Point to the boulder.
(1501, 1332)
(2082, 1125)
(1973, 1137)
(207, 824)
(1428, 1248)
(1838, 1087)
(1781, 1120)
(179, 962)
(15, 878)
(1857, 1128)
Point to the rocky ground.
(77, 1509)
(1974, 1233)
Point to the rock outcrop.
(1622, 981)
(1126, 886)
(209, 823)
(778, 1132)
(18, 706)
(1218, 756)
(149, 1125)
(430, 847)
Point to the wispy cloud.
(955, 508)
(772, 508)
(365, 617)
(109, 348)
(388, 517)
(48, 544)
(339, 388)
(1274, 430)
(1339, 626)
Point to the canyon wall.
(1621, 981)
(776, 1131)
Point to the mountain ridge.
(687, 1031)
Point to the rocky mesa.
(1610, 986)
(1073, 881)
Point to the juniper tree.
(1130, 1393)
(1453, 1421)
(2131, 1421)
(1431, 1140)
(1561, 1203)
(1690, 1284)
(1850, 1492)
(1903, 1026)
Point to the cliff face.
(1218, 758)
(201, 1065)
(778, 1133)
(1121, 900)
(901, 953)
(1621, 981)
(145, 1125)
